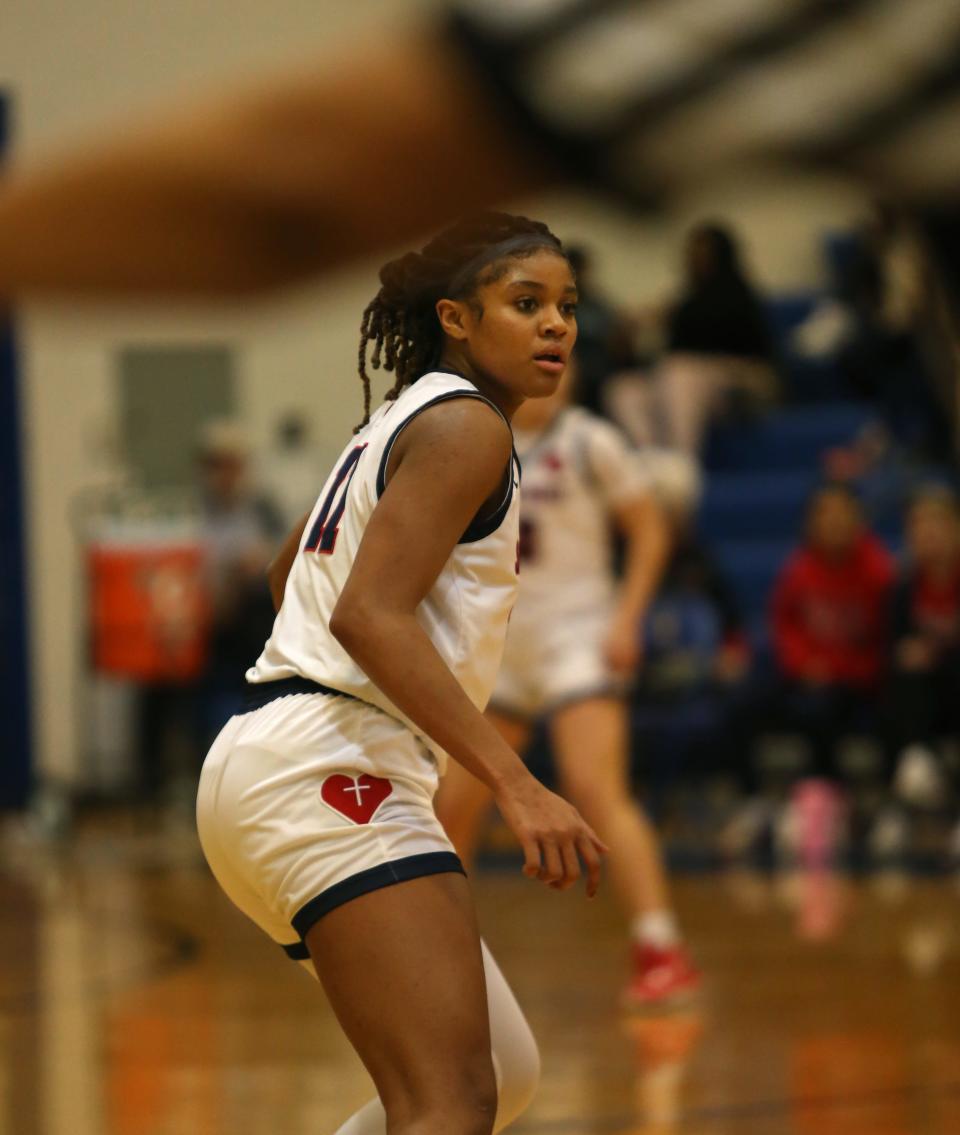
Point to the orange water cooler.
(149, 602)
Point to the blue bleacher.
(752, 505)
(751, 566)
(761, 473)
(793, 438)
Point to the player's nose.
(554, 324)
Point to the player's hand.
(554, 836)
(622, 647)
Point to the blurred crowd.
(819, 682)
(805, 683)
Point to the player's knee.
(472, 1107)
(463, 1102)
(479, 1106)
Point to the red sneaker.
(661, 977)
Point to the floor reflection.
(135, 1001)
(663, 1046)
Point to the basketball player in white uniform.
(315, 807)
(572, 648)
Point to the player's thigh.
(403, 970)
(590, 741)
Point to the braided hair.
(401, 321)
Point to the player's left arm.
(647, 536)
(282, 562)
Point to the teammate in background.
(573, 646)
(315, 807)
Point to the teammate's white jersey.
(574, 472)
(466, 611)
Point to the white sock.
(515, 1059)
(656, 928)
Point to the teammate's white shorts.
(312, 800)
(554, 661)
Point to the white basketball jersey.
(466, 612)
(575, 471)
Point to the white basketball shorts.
(313, 800)
(552, 661)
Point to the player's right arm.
(445, 465)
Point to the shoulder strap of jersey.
(445, 396)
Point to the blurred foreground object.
(281, 180)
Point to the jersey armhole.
(480, 526)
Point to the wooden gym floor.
(135, 1001)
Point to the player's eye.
(569, 309)
(526, 304)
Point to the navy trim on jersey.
(447, 396)
(478, 527)
(259, 694)
(373, 879)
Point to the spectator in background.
(893, 351)
(924, 699)
(603, 335)
(241, 529)
(696, 651)
(694, 633)
(830, 639)
(718, 341)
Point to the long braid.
(401, 321)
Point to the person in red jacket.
(830, 638)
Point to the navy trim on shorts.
(259, 694)
(609, 691)
(296, 951)
(519, 715)
(373, 879)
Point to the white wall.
(71, 68)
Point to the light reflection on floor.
(135, 1001)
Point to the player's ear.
(453, 315)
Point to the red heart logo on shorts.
(356, 797)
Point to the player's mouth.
(552, 361)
